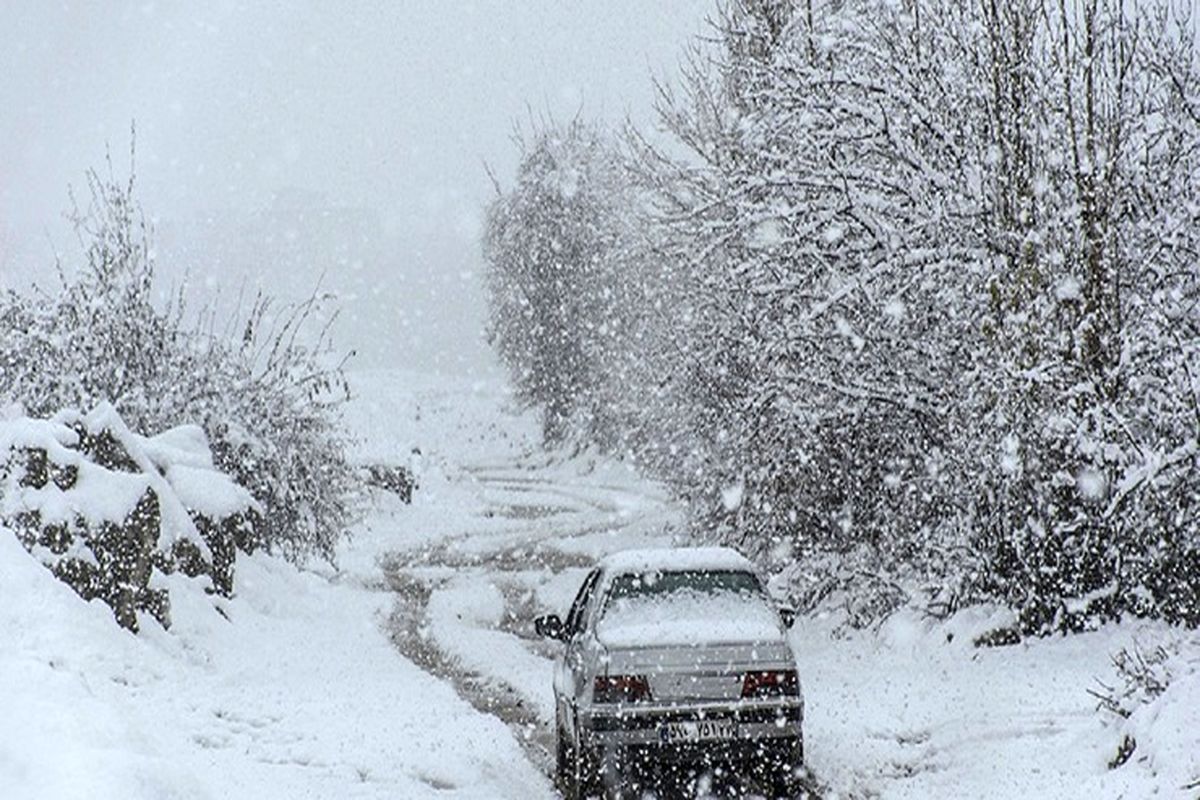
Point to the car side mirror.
(788, 615)
(549, 626)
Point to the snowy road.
(497, 532)
(500, 531)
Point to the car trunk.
(713, 672)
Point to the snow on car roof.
(676, 558)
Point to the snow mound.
(288, 690)
(1161, 730)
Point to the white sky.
(253, 117)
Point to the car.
(675, 661)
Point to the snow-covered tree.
(552, 246)
(814, 219)
(929, 276)
(1090, 409)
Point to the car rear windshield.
(703, 582)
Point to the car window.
(654, 583)
(575, 616)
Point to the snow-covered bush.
(1156, 688)
(267, 397)
(1142, 676)
(105, 508)
(1084, 505)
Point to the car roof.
(670, 559)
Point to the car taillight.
(771, 683)
(620, 689)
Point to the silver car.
(675, 664)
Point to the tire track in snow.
(409, 630)
(499, 558)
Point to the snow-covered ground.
(500, 533)
(916, 711)
(410, 670)
(291, 689)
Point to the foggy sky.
(277, 141)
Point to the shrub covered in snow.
(105, 508)
(1149, 704)
(268, 400)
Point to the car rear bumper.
(754, 724)
(769, 760)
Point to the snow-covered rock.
(107, 509)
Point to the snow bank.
(916, 710)
(1167, 732)
(1166, 729)
(288, 690)
(62, 735)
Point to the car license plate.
(701, 730)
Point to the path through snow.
(466, 604)
(500, 532)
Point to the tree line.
(901, 296)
